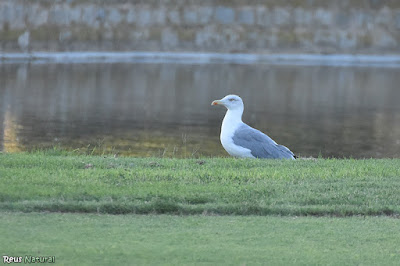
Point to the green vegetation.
(275, 195)
(62, 182)
(90, 239)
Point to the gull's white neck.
(231, 122)
(232, 119)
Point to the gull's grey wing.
(260, 145)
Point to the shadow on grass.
(159, 206)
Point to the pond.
(164, 109)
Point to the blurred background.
(345, 104)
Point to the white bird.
(241, 140)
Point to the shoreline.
(362, 60)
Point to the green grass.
(63, 182)
(90, 239)
(56, 203)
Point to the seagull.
(243, 141)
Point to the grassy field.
(224, 186)
(207, 211)
(91, 239)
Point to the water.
(163, 109)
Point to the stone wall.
(294, 26)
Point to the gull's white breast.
(229, 126)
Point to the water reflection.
(10, 137)
(164, 109)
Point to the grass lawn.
(199, 211)
(225, 186)
(90, 239)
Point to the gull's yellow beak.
(216, 102)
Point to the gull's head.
(231, 102)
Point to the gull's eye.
(231, 99)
